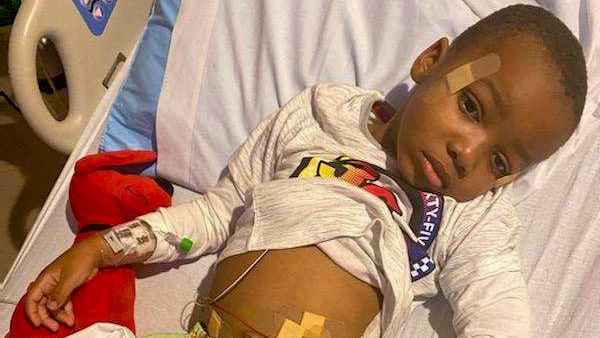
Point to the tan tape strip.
(472, 71)
(214, 324)
(313, 324)
(315, 332)
(290, 329)
(310, 319)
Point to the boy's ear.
(428, 58)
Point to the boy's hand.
(47, 301)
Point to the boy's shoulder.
(492, 210)
(332, 94)
(329, 98)
(496, 203)
(338, 107)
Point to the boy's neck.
(384, 132)
(377, 130)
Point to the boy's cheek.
(435, 92)
(430, 117)
(404, 167)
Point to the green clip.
(185, 245)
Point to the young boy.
(348, 206)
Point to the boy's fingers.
(50, 324)
(69, 307)
(35, 295)
(65, 318)
(70, 314)
(31, 310)
(65, 315)
(62, 291)
(47, 321)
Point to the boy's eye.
(500, 164)
(469, 105)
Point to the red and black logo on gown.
(427, 207)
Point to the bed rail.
(87, 60)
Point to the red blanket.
(101, 195)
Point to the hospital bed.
(228, 64)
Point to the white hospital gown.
(257, 206)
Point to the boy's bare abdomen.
(304, 279)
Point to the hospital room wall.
(28, 169)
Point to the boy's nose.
(467, 152)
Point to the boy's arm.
(206, 221)
(209, 220)
(482, 280)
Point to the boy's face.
(460, 144)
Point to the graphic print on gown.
(427, 207)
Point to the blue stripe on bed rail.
(131, 120)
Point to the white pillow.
(258, 54)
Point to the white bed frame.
(59, 21)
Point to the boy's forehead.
(464, 75)
(529, 99)
(523, 95)
(472, 71)
(536, 107)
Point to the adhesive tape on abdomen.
(304, 324)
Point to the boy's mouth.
(434, 171)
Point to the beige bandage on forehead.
(462, 76)
(472, 71)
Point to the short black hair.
(554, 36)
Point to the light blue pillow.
(131, 119)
